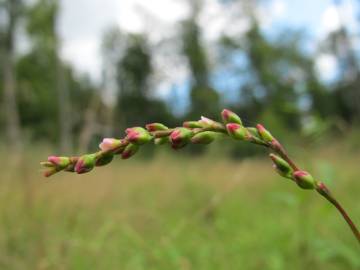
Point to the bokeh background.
(73, 72)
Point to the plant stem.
(278, 148)
(321, 189)
(325, 192)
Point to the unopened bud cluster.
(203, 131)
(302, 178)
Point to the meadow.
(176, 212)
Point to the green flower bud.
(204, 137)
(138, 135)
(129, 151)
(104, 159)
(156, 127)
(282, 166)
(304, 180)
(230, 117)
(59, 162)
(85, 163)
(238, 132)
(180, 137)
(192, 124)
(210, 124)
(264, 134)
(254, 132)
(161, 141)
(50, 172)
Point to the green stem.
(325, 192)
(321, 189)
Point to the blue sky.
(83, 22)
(300, 13)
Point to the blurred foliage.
(135, 104)
(204, 100)
(205, 213)
(277, 82)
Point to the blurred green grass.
(173, 212)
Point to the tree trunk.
(10, 105)
(65, 122)
(90, 122)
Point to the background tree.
(203, 98)
(135, 101)
(346, 92)
(12, 9)
(41, 26)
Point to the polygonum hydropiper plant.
(203, 131)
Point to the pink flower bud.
(238, 132)
(230, 117)
(210, 124)
(129, 151)
(206, 122)
(59, 162)
(109, 144)
(85, 163)
(47, 164)
(138, 135)
(264, 133)
(50, 172)
(304, 180)
(156, 127)
(180, 137)
(205, 137)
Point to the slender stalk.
(321, 188)
(279, 149)
(325, 192)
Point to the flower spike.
(203, 131)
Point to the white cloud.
(84, 55)
(278, 8)
(133, 14)
(217, 19)
(334, 16)
(82, 23)
(330, 20)
(169, 11)
(267, 13)
(326, 66)
(169, 73)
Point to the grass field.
(177, 213)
